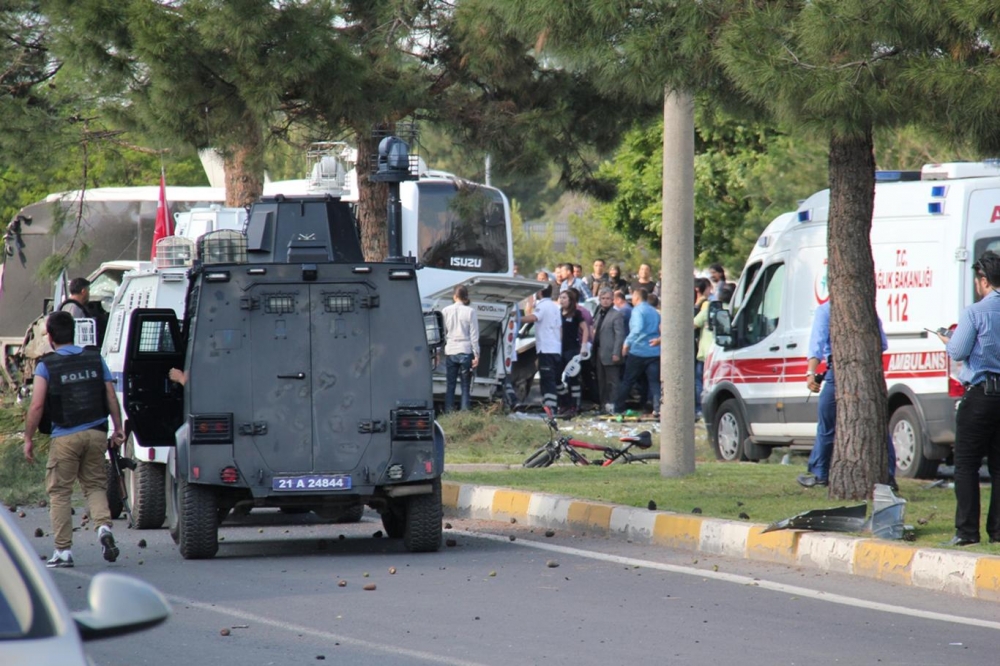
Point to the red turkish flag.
(164, 225)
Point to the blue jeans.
(826, 427)
(638, 368)
(458, 365)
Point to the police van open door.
(154, 404)
(308, 412)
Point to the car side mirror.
(120, 605)
(722, 328)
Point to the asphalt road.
(489, 600)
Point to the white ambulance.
(927, 230)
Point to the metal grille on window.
(338, 302)
(223, 246)
(155, 337)
(279, 303)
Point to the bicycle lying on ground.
(559, 445)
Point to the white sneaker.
(61, 559)
(108, 547)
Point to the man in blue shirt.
(75, 387)
(826, 426)
(976, 343)
(642, 360)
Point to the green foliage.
(531, 252)
(745, 174)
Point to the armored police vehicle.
(308, 380)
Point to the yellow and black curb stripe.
(966, 574)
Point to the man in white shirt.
(548, 344)
(461, 350)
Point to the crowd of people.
(617, 345)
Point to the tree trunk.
(244, 165)
(372, 198)
(860, 457)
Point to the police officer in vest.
(976, 343)
(75, 387)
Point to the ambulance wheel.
(422, 526)
(198, 521)
(115, 503)
(909, 441)
(147, 490)
(729, 433)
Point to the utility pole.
(676, 287)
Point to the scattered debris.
(39, 532)
(341, 583)
(697, 509)
(550, 533)
(377, 535)
(513, 521)
(392, 571)
(21, 514)
(447, 526)
(837, 519)
(364, 575)
(142, 543)
(369, 587)
(652, 505)
(42, 504)
(552, 564)
(493, 574)
(513, 538)
(744, 515)
(451, 543)
(224, 632)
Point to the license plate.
(312, 482)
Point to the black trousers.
(977, 435)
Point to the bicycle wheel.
(543, 457)
(642, 457)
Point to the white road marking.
(803, 592)
(301, 629)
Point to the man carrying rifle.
(75, 387)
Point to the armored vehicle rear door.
(311, 375)
(154, 404)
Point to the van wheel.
(198, 521)
(422, 528)
(729, 432)
(147, 489)
(115, 503)
(172, 502)
(393, 520)
(908, 439)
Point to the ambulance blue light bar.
(896, 176)
(805, 215)
(938, 191)
(935, 208)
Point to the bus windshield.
(462, 227)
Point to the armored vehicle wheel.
(393, 521)
(198, 521)
(147, 490)
(422, 528)
(173, 514)
(115, 503)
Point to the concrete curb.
(964, 574)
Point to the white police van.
(927, 230)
